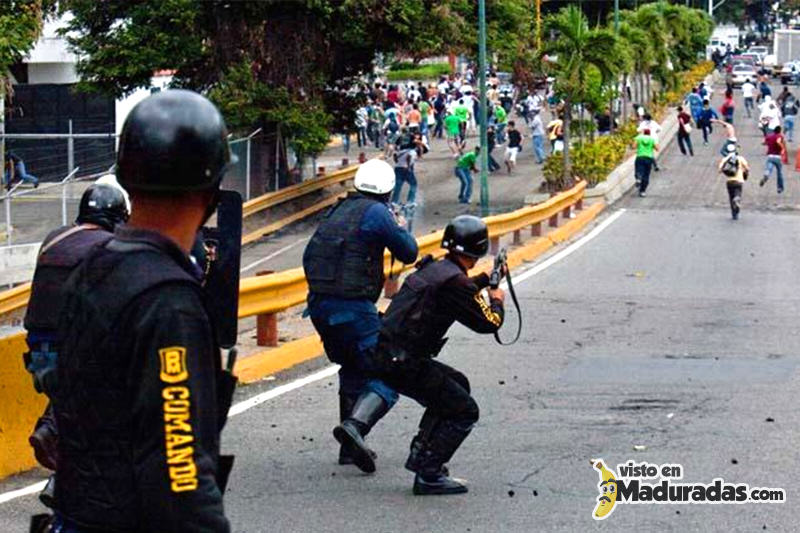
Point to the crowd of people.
(402, 120)
(774, 117)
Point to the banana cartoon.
(608, 490)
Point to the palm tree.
(576, 48)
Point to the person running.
(452, 126)
(464, 167)
(491, 143)
(748, 90)
(537, 136)
(730, 137)
(707, 115)
(15, 169)
(770, 116)
(695, 103)
(646, 148)
(684, 128)
(501, 119)
(736, 168)
(514, 146)
(461, 110)
(789, 109)
(727, 107)
(648, 123)
(776, 152)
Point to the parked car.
(771, 65)
(760, 51)
(789, 72)
(742, 72)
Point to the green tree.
(577, 48)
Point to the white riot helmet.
(375, 177)
(111, 179)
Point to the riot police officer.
(137, 401)
(343, 264)
(102, 207)
(430, 300)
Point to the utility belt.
(396, 353)
(41, 362)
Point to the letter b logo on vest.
(173, 364)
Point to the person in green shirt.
(646, 148)
(462, 112)
(424, 111)
(464, 169)
(452, 125)
(501, 119)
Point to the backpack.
(731, 166)
(788, 107)
(394, 127)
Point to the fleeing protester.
(654, 127)
(501, 120)
(537, 137)
(514, 146)
(465, 166)
(684, 129)
(727, 107)
(736, 168)
(15, 170)
(463, 113)
(362, 121)
(763, 89)
(789, 109)
(695, 104)
(748, 90)
(405, 158)
(452, 125)
(707, 115)
(730, 137)
(776, 153)
(769, 119)
(440, 112)
(646, 148)
(491, 143)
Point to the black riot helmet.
(467, 235)
(104, 205)
(173, 141)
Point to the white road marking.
(30, 489)
(274, 254)
(329, 371)
(258, 399)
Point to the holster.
(226, 386)
(224, 467)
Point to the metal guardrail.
(272, 293)
(295, 191)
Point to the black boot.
(428, 456)
(368, 409)
(44, 440)
(346, 404)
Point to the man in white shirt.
(748, 90)
(413, 93)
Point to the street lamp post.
(616, 17)
(484, 154)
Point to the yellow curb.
(267, 362)
(20, 406)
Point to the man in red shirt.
(776, 150)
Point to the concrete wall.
(17, 263)
(52, 73)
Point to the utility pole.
(616, 17)
(482, 107)
(539, 24)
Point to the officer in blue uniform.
(103, 206)
(343, 264)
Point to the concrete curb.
(262, 364)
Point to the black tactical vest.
(414, 321)
(60, 254)
(97, 480)
(337, 261)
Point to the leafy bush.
(419, 72)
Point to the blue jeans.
(21, 173)
(465, 177)
(538, 148)
(748, 106)
(774, 161)
(404, 175)
(788, 127)
(349, 331)
(501, 132)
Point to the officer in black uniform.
(343, 264)
(137, 401)
(431, 299)
(102, 207)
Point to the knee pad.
(462, 380)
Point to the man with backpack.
(789, 111)
(736, 169)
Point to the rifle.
(500, 267)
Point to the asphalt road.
(674, 331)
